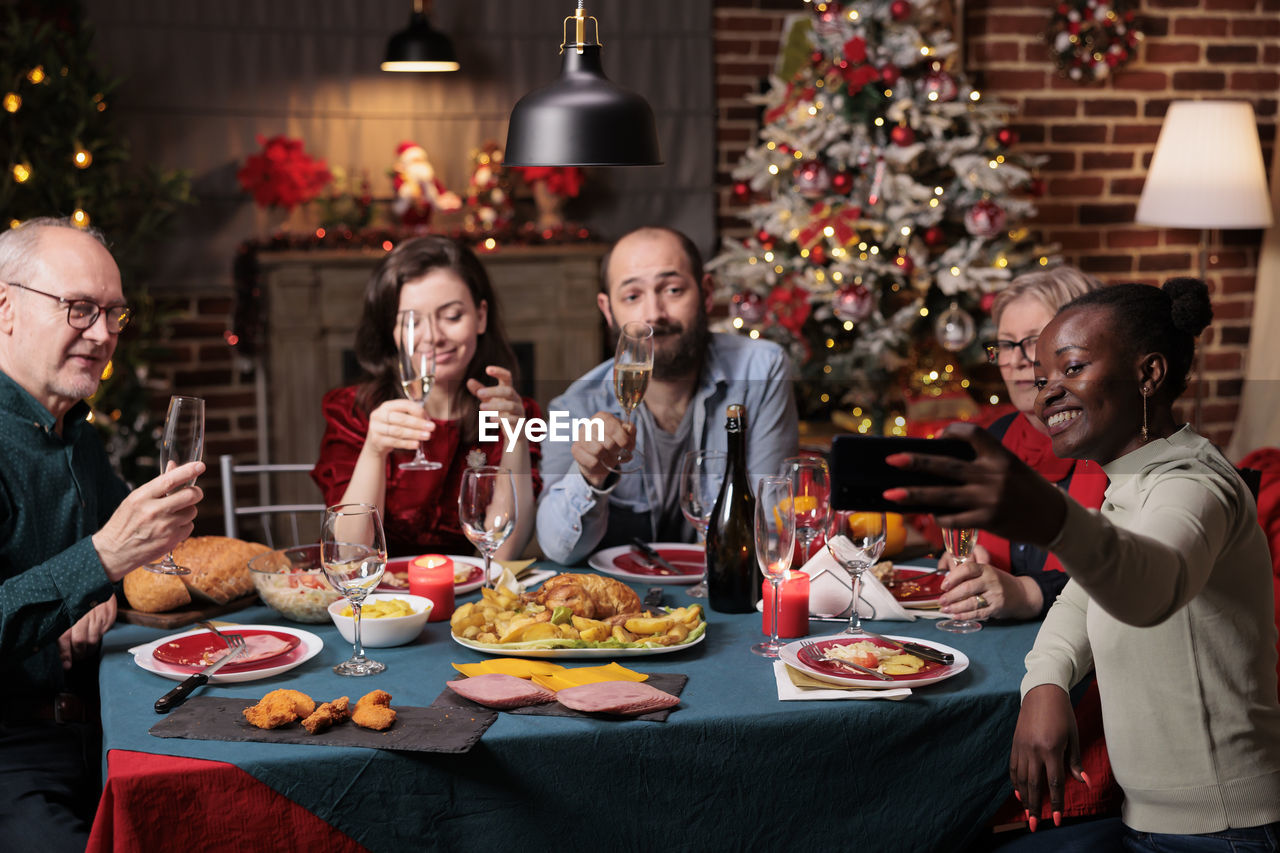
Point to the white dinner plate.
(472, 583)
(509, 652)
(689, 559)
(144, 656)
(790, 654)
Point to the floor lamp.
(1206, 173)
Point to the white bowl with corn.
(386, 618)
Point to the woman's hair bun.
(1190, 309)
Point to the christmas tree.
(64, 156)
(885, 197)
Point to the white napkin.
(830, 591)
(787, 691)
(504, 577)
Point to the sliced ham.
(625, 698)
(257, 647)
(501, 691)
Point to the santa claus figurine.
(418, 192)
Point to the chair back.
(283, 520)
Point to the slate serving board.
(668, 682)
(434, 729)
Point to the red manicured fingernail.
(1033, 823)
(898, 460)
(1057, 818)
(895, 494)
(1085, 777)
(1016, 795)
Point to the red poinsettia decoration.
(283, 174)
(563, 181)
(790, 306)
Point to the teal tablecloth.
(733, 767)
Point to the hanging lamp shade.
(419, 46)
(582, 119)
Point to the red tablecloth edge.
(217, 805)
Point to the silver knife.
(653, 556)
(915, 648)
(859, 668)
(179, 694)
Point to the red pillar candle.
(431, 576)
(793, 607)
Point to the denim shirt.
(56, 491)
(574, 518)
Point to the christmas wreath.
(1089, 39)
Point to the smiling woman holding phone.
(1170, 592)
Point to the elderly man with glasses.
(69, 526)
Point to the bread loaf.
(219, 567)
(155, 593)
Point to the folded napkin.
(830, 592)
(795, 685)
(511, 569)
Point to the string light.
(924, 312)
(737, 322)
(36, 75)
(12, 102)
(21, 172)
(754, 334)
(848, 327)
(79, 218)
(975, 95)
(83, 159)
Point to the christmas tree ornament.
(932, 236)
(818, 255)
(741, 189)
(853, 304)
(904, 263)
(900, 10)
(764, 236)
(1007, 137)
(890, 74)
(1089, 39)
(954, 328)
(747, 306)
(985, 219)
(940, 86)
(812, 178)
(842, 182)
(902, 135)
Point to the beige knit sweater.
(1170, 599)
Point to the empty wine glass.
(701, 473)
(632, 366)
(417, 373)
(811, 483)
(959, 542)
(856, 541)
(181, 442)
(487, 511)
(353, 553)
(775, 543)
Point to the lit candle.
(431, 576)
(793, 607)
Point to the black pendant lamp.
(582, 119)
(419, 47)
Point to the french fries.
(502, 617)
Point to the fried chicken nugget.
(328, 714)
(374, 711)
(279, 708)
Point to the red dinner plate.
(687, 561)
(196, 651)
(916, 586)
(811, 656)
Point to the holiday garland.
(1091, 39)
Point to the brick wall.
(1099, 139)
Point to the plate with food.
(196, 651)
(467, 574)
(308, 645)
(687, 563)
(913, 586)
(825, 658)
(574, 616)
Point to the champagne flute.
(701, 473)
(417, 373)
(632, 366)
(959, 542)
(856, 541)
(775, 543)
(487, 511)
(811, 483)
(181, 442)
(353, 553)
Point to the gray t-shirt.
(667, 450)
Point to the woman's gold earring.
(1144, 416)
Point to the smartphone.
(860, 476)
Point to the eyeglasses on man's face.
(1001, 352)
(83, 313)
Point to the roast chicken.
(589, 596)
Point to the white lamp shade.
(1207, 169)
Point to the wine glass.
(181, 442)
(856, 541)
(701, 473)
(632, 366)
(811, 483)
(353, 553)
(775, 543)
(959, 542)
(487, 510)
(417, 373)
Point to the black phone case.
(860, 476)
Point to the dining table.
(732, 767)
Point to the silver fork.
(229, 639)
(179, 694)
(850, 665)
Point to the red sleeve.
(344, 432)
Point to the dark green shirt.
(55, 492)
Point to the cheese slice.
(519, 667)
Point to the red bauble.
(1007, 137)
(818, 255)
(933, 236)
(741, 189)
(812, 179)
(816, 57)
(763, 236)
(941, 85)
(853, 304)
(900, 10)
(890, 74)
(747, 306)
(902, 135)
(842, 182)
(1036, 187)
(784, 148)
(985, 219)
(904, 263)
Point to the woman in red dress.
(370, 428)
